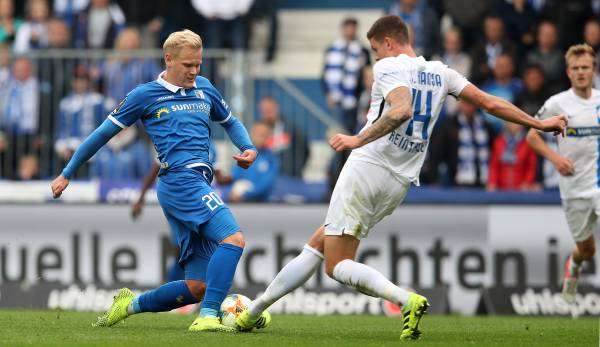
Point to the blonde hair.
(579, 50)
(180, 39)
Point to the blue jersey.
(176, 119)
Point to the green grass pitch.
(59, 328)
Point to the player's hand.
(556, 124)
(342, 142)
(246, 159)
(59, 184)
(136, 209)
(564, 165)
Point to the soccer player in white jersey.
(577, 159)
(407, 96)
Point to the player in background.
(577, 159)
(176, 110)
(407, 96)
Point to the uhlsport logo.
(161, 111)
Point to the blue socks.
(167, 297)
(219, 276)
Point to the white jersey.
(581, 143)
(403, 151)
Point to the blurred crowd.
(510, 48)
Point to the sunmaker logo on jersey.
(583, 131)
(161, 111)
(192, 107)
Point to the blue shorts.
(197, 216)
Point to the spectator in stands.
(4, 65)
(591, 36)
(68, 10)
(225, 23)
(287, 140)
(459, 155)
(19, 114)
(54, 76)
(33, 34)
(467, 14)
(485, 52)
(548, 56)
(148, 17)
(424, 23)
(568, 15)
(513, 163)
(59, 36)
(121, 74)
(125, 157)
(519, 18)
(29, 168)
(98, 25)
(530, 100)
(503, 84)
(256, 182)
(9, 25)
(81, 112)
(454, 57)
(535, 91)
(344, 61)
(364, 101)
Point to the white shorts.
(582, 216)
(364, 194)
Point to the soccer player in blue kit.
(176, 110)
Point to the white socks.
(368, 281)
(293, 275)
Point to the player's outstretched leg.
(167, 297)
(219, 276)
(293, 275)
(584, 251)
(339, 252)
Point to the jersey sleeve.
(220, 111)
(129, 110)
(456, 82)
(389, 76)
(549, 109)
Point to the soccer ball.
(231, 307)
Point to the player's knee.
(317, 240)
(329, 266)
(587, 251)
(197, 288)
(236, 239)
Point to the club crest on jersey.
(161, 111)
(199, 94)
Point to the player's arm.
(239, 136)
(126, 113)
(221, 113)
(509, 112)
(88, 148)
(564, 166)
(136, 209)
(400, 111)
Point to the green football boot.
(412, 313)
(210, 324)
(245, 323)
(118, 310)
